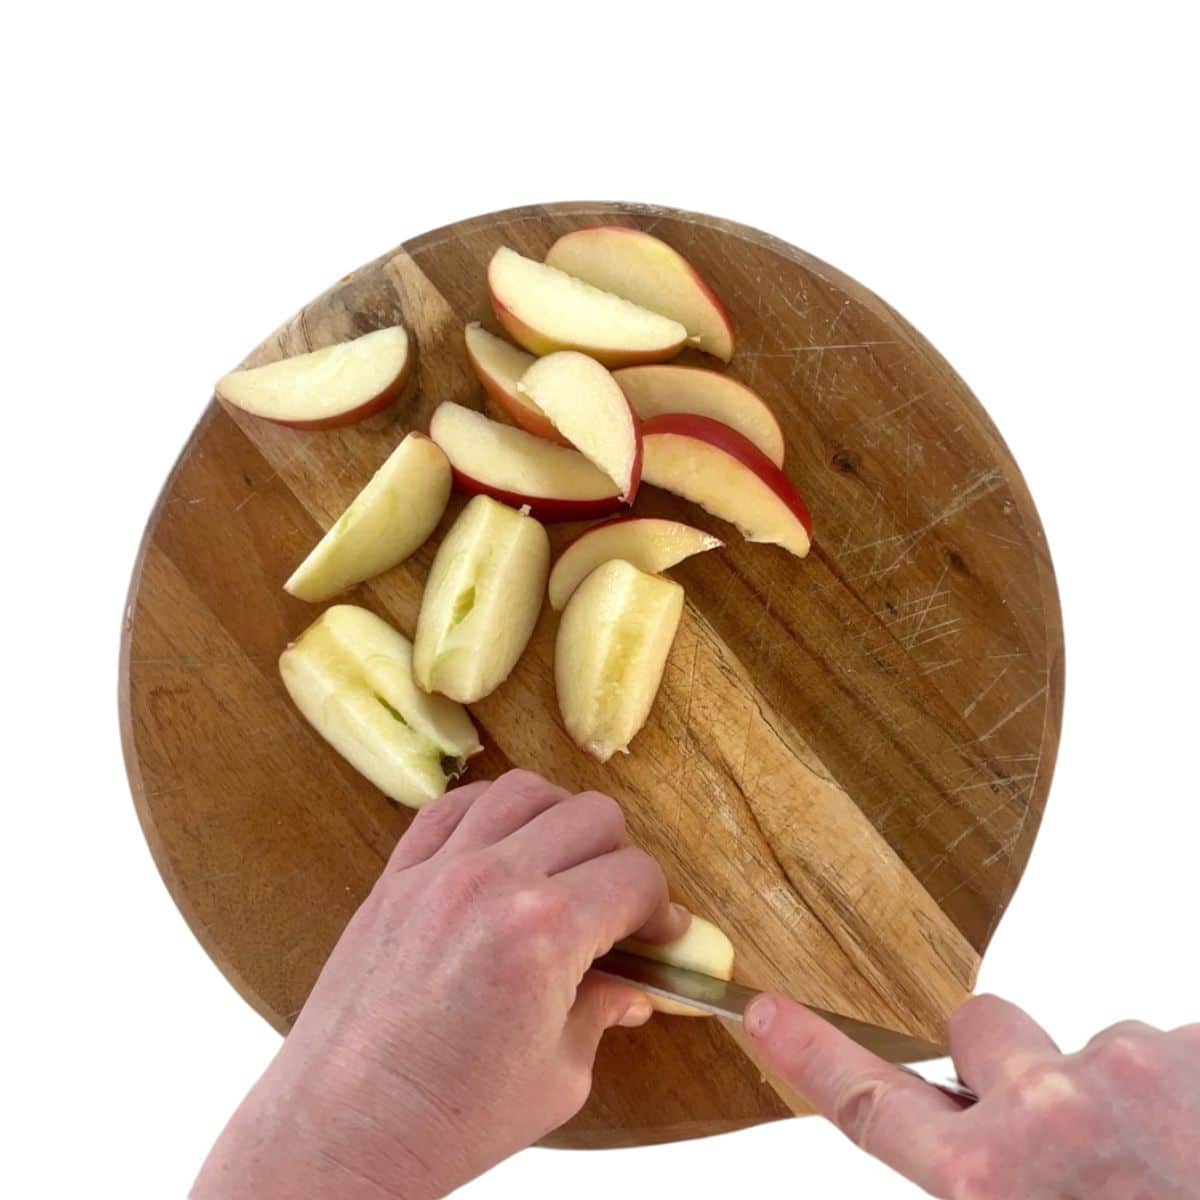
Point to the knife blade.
(725, 998)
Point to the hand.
(1120, 1120)
(455, 1022)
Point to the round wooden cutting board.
(849, 757)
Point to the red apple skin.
(705, 429)
(352, 416)
(521, 415)
(544, 508)
(701, 283)
(535, 343)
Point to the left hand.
(455, 1022)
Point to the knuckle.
(519, 782)
(1052, 1100)
(970, 1173)
(602, 810)
(463, 882)
(1125, 1056)
(856, 1112)
(434, 821)
(535, 920)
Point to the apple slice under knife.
(652, 544)
(644, 269)
(385, 523)
(727, 475)
(613, 640)
(350, 674)
(667, 388)
(481, 601)
(545, 310)
(555, 483)
(500, 365)
(586, 405)
(702, 947)
(337, 385)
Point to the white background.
(179, 179)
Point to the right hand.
(1120, 1120)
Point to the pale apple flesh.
(702, 947)
(481, 601)
(652, 544)
(327, 388)
(350, 675)
(387, 521)
(500, 365)
(667, 388)
(555, 483)
(644, 269)
(613, 641)
(728, 476)
(585, 404)
(545, 310)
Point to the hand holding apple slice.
(481, 601)
(612, 647)
(350, 674)
(500, 365)
(585, 404)
(337, 385)
(644, 269)
(714, 466)
(652, 544)
(385, 523)
(546, 310)
(666, 388)
(555, 483)
(702, 947)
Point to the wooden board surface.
(848, 760)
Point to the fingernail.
(759, 1015)
(638, 1013)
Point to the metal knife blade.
(728, 999)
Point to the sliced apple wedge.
(585, 404)
(657, 389)
(388, 520)
(326, 388)
(652, 544)
(500, 365)
(481, 601)
(613, 640)
(644, 269)
(554, 482)
(545, 310)
(350, 674)
(703, 947)
(727, 475)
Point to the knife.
(725, 998)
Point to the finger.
(569, 833)
(433, 824)
(615, 895)
(887, 1112)
(511, 801)
(992, 1042)
(602, 1003)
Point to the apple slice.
(545, 310)
(554, 482)
(644, 269)
(500, 365)
(651, 544)
(715, 467)
(657, 389)
(326, 388)
(613, 641)
(389, 519)
(350, 674)
(585, 404)
(702, 947)
(481, 601)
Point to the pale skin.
(456, 1023)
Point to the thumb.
(602, 1003)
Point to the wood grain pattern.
(849, 757)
